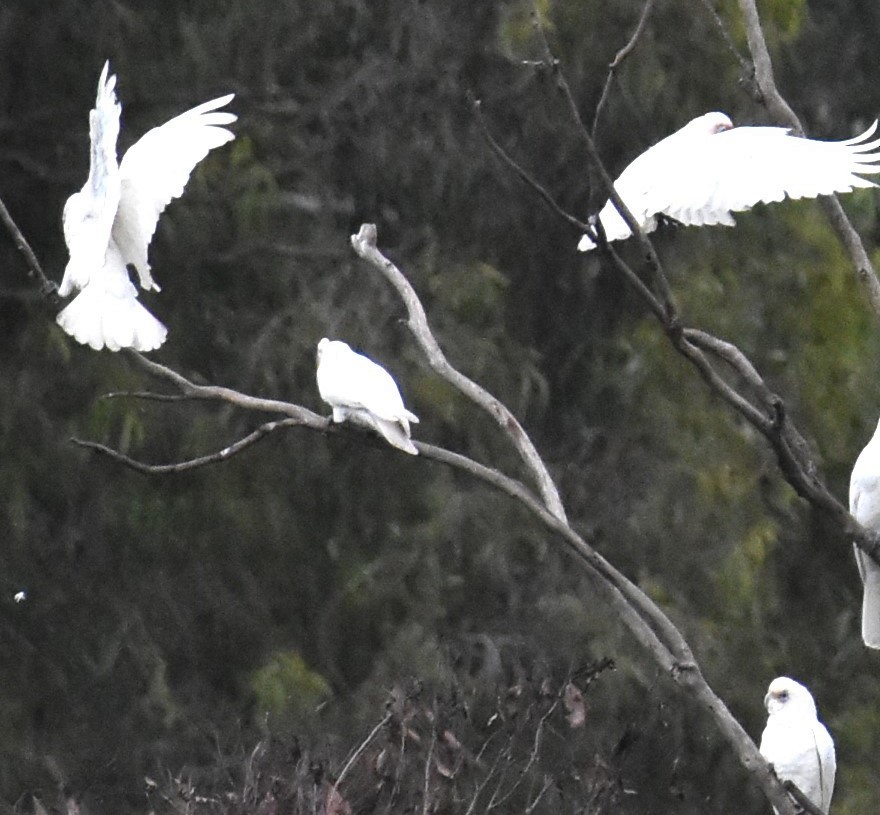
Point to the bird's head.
(785, 697)
(710, 123)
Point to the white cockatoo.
(864, 506)
(702, 173)
(363, 392)
(796, 743)
(109, 223)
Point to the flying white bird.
(109, 223)
(363, 392)
(707, 170)
(864, 505)
(796, 743)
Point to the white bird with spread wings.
(864, 506)
(363, 392)
(796, 743)
(709, 169)
(109, 223)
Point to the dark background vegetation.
(224, 640)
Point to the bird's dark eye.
(783, 695)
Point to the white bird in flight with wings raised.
(109, 223)
(363, 392)
(796, 743)
(709, 169)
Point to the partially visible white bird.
(864, 506)
(363, 392)
(702, 173)
(796, 743)
(20, 596)
(109, 223)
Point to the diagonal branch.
(47, 288)
(364, 244)
(499, 151)
(782, 113)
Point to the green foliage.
(287, 691)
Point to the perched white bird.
(109, 223)
(864, 505)
(709, 168)
(20, 596)
(363, 392)
(796, 743)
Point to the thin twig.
(201, 461)
(47, 287)
(621, 55)
(359, 752)
(147, 395)
(548, 199)
(748, 68)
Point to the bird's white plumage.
(108, 224)
(864, 505)
(363, 392)
(796, 743)
(709, 169)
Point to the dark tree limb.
(784, 115)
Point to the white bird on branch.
(702, 173)
(109, 223)
(864, 506)
(363, 392)
(796, 743)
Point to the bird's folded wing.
(155, 170)
(377, 391)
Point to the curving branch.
(784, 115)
(364, 243)
(201, 461)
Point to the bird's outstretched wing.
(155, 170)
(733, 170)
(701, 178)
(88, 215)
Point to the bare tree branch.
(182, 466)
(47, 288)
(621, 55)
(782, 113)
(476, 106)
(364, 244)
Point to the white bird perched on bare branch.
(864, 505)
(796, 743)
(702, 173)
(109, 223)
(363, 392)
